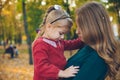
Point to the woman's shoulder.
(83, 54)
(89, 52)
(86, 49)
(94, 55)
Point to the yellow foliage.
(6, 12)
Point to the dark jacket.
(92, 66)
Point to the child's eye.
(61, 33)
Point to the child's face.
(57, 33)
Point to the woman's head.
(56, 17)
(94, 23)
(95, 29)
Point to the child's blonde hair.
(52, 16)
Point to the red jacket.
(48, 57)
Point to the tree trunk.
(27, 33)
(68, 34)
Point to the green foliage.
(115, 8)
(19, 6)
(34, 17)
(35, 13)
(115, 1)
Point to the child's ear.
(48, 25)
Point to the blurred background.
(19, 23)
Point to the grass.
(19, 68)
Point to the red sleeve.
(73, 44)
(42, 66)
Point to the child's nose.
(62, 36)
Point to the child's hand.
(69, 72)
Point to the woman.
(100, 57)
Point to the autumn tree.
(114, 6)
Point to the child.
(49, 46)
(15, 51)
(10, 51)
